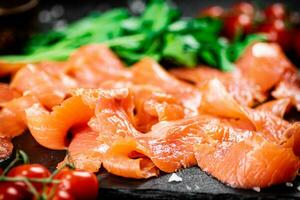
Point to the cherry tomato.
(276, 31)
(11, 191)
(62, 195)
(275, 11)
(244, 8)
(80, 184)
(30, 171)
(212, 11)
(235, 24)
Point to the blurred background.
(19, 19)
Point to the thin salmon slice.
(240, 88)
(50, 129)
(147, 71)
(84, 152)
(153, 105)
(12, 115)
(50, 90)
(265, 64)
(6, 93)
(217, 101)
(253, 162)
(92, 64)
(118, 160)
(7, 68)
(276, 107)
(288, 90)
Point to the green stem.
(124, 40)
(20, 155)
(21, 179)
(32, 189)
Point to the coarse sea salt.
(256, 189)
(289, 184)
(174, 178)
(298, 188)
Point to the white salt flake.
(174, 178)
(256, 189)
(289, 184)
(298, 188)
(188, 187)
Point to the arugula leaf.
(181, 49)
(158, 32)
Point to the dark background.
(196, 184)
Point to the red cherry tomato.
(80, 184)
(275, 11)
(11, 191)
(62, 195)
(244, 8)
(30, 171)
(212, 11)
(276, 31)
(236, 24)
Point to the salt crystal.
(289, 184)
(188, 187)
(174, 178)
(257, 189)
(298, 188)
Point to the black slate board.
(196, 184)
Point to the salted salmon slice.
(253, 162)
(50, 129)
(147, 71)
(119, 160)
(7, 93)
(240, 88)
(276, 107)
(84, 152)
(50, 90)
(112, 119)
(153, 105)
(92, 64)
(288, 90)
(12, 115)
(265, 64)
(7, 68)
(217, 101)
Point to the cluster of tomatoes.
(34, 181)
(275, 21)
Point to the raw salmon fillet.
(50, 129)
(240, 88)
(12, 115)
(50, 90)
(147, 71)
(91, 65)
